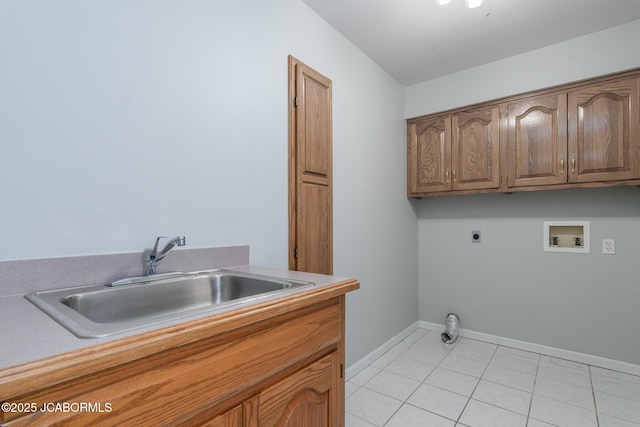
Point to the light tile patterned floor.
(422, 382)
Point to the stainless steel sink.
(99, 310)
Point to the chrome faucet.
(152, 256)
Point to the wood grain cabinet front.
(603, 132)
(584, 134)
(456, 152)
(476, 149)
(429, 155)
(537, 141)
(284, 370)
(588, 135)
(311, 397)
(231, 418)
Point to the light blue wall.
(592, 55)
(126, 119)
(507, 285)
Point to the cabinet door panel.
(603, 131)
(429, 154)
(537, 141)
(306, 398)
(233, 418)
(476, 149)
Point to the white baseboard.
(375, 354)
(560, 353)
(575, 356)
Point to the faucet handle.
(154, 251)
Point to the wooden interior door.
(310, 170)
(537, 141)
(603, 131)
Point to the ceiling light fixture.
(471, 4)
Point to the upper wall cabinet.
(429, 155)
(454, 152)
(603, 131)
(580, 135)
(537, 140)
(476, 149)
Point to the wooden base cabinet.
(307, 398)
(232, 418)
(278, 364)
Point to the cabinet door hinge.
(341, 370)
(295, 253)
(295, 101)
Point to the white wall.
(126, 119)
(592, 55)
(507, 285)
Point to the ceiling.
(418, 40)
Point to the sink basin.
(99, 310)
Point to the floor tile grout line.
(496, 348)
(380, 370)
(353, 415)
(422, 409)
(533, 390)
(515, 388)
(423, 382)
(595, 403)
(394, 413)
(428, 375)
(503, 385)
(436, 366)
(406, 401)
(568, 403)
(479, 379)
(593, 394)
(620, 396)
(453, 345)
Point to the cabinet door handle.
(446, 173)
(562, 166)
(454, 176)
(573, 164)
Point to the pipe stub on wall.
(451, 331)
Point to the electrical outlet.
(608, 246)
